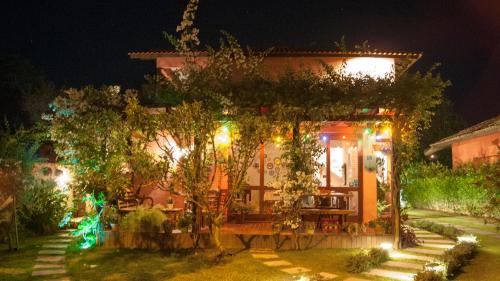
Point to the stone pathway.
(270, 258)
(50, 262)
(404, 264)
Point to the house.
(477, 144)
(356, 157)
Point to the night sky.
(86, 42)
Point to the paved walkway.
(404, 264)
(50, 263)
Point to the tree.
(92, 136)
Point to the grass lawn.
(17, 265)
(135, 265)
(485, 266)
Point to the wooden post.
(261, 179)
(327, 143)
(360, 181)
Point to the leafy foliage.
(448, 231)
(366, 259)
(467, 190)
(408, 237)
(42, 206)
(144, 220)
(428, 276)
(458, 256)
(91, 225)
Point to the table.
(174, 212)
(327, 212)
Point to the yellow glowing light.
(278, 139)
(343, 137)
(435, 266)
(63, 180)
(387, 131)
(376, 68)
(303, 278)
(222, 138)
(470, 238)
(386, 246)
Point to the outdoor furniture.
(341, 214)
(173, 212)
(131, 200)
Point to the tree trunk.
(396, 183)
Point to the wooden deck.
(231, 239)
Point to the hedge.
(467, 190)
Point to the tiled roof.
(484, 128)
(286, 52)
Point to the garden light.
(386, 246)
(222, 138)
(63, 179)
(324, 138)
(303, 278)
(470, 238)
(437, 267)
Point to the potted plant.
(310, 227)
(170, 203)
(241, 208)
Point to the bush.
(428, 276)
(448, 231)
(467, 190)
(42, 206)
(459, 256)
(145, 220)
(408, 237)
(366, 260)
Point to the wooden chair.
(131, 200)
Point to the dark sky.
(86, 42)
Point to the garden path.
(271, 258)
(50, 263)
(405, 264)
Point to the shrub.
(448, 231)
(366, 260)
(144, 220)
(459, 256)
(467, 190)
(408, 237)
(428, 276)
(42, 206)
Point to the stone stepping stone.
(60, 240)
(397, 275)
(48, 272)
(438, 241)
(277, 263)
(401, 264)
(438, 246)
(265, 256)
(407, 256)
(355, 279)
(327, 275)
(429, 236)
(48, 265)
(421, 231)
(295, 270)
(425, 251)
(50, 258)
(64, 235)
(55, 246)
(51, 252)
